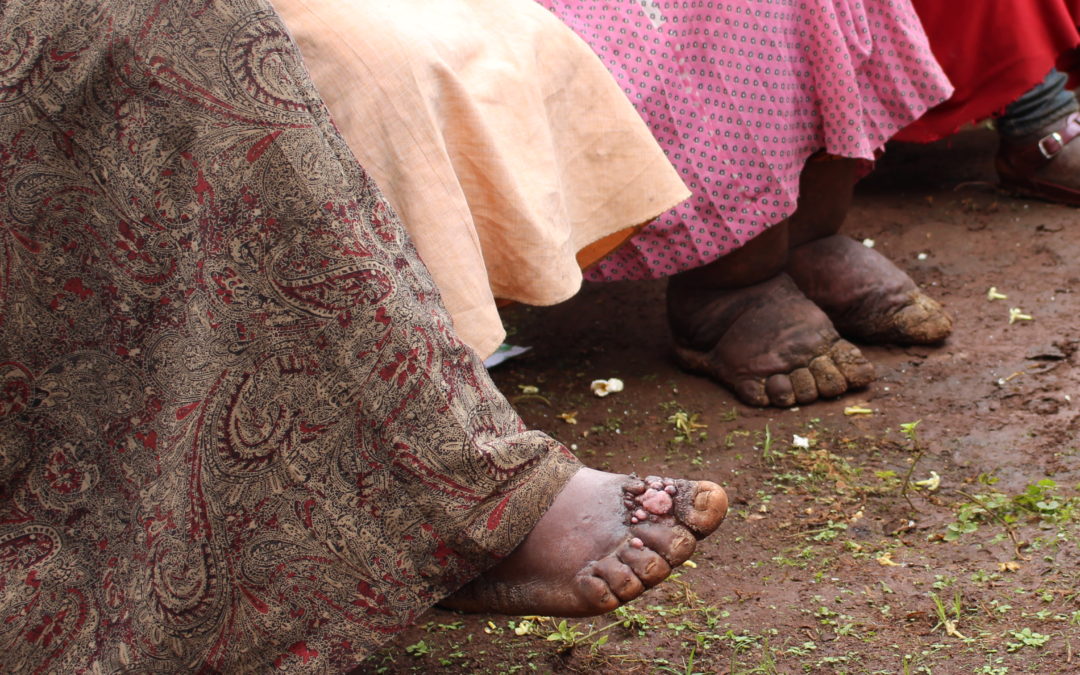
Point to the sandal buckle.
(1051, 145)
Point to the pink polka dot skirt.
(741, 92)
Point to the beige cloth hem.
(497, 135)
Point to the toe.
(672, 541)
(752, 392)
(830, 381)
(648, 566)
(852, 364)
(922, 321)
(802, 384)
(700, 506)
(780, 391)
(619, 577)
(594, 593)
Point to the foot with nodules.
(867, 297)
(605, 539)
(766, 342)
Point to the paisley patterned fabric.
(237, 432)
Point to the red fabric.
(993, 51)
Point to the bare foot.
(766, 342)
(867, 297)
(606, 538)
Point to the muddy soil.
(856, 543)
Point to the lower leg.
(1038, 154)
(826, 186)
(1041, 106)
(760, 259)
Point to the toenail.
(702, 499)
(637, 543)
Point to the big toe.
(700, 506)
(850, 361)
(921, 321)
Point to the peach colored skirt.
(498, 136)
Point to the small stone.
(637, 543)
(671, 489)
(640, 514)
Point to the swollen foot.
(606, 538)
(766, 342)
(867, 297)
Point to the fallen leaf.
(885, 560)
(932, 483)
(857, 410)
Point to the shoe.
(1045, 164)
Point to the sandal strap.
(1030, 157)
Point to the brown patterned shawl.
(237, 431)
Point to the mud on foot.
(604, 541)
(867, 297)
(767, 342)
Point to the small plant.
(687, 427)
(767, 453)
(566, 634)
(829, 532)
(1026, 638)
(909, 430)
(943, 612)
(1040, 503)
(418, 650)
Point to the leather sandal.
(1046, 164)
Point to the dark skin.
(604, 541)
(769, 319)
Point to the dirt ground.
(839, 554)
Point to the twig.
(529, 397)
(1008, 528)
(920, 451)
